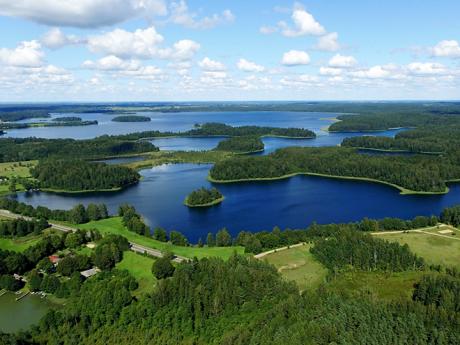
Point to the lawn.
(385, 286)
(14, 169)
(141, 268)
(299, 265)
(18, 245)
(113, 225)
(433, 248)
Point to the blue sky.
(160, 50)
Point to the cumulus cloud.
(342, 61)
(81, 13)
(328, 42)
(447, 48)
(112, 63)
(374, 72)
(426, 68)
(55, 39)
(330, 71)
(210, 65)
(183, 50)
(26, 54)
(181, 15)
(304, 24)
(249, 66)
(295, 58)
(141, 43)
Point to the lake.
(17, 315)
(293, 202)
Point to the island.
(241, 145)
(2, 132)
(204, 198)
(67, 119)
(131, 118)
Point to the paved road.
(133, 246)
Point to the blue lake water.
(294, 202)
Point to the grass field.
(435, 249)
(141, 268)
(114, 226)
(14, 169)
(18, 245)
(299, 265)
(386, 286)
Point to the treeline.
(80, 175)
(21, 227)
(240, 301)
(244, 144)
(133, 220)
(18, 149)
(131, 118)
(220, 129)
(416, 173)
(77, 215)
(451, 215)
(441, 291)
(389, 120)
(352, 249)
(67, 119)
(203, 196)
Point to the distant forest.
(131, 118)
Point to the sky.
(221, 50)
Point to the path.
(261, 255)
(137, 248)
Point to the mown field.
(18, 245)
(299, 265)
(14, 169)
(114, 226)
(141, 268)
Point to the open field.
(385, 286)
(141, 268)
(114, 226)
(436, 245)
(299, 265)
(14, 169)
(18, 245)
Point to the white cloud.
(331, 71)
(299, 80)
(55, 39)
(328, 42)
(26, 54)
(112, 63)
(447, 48)
(374, 72)
(183, 50)
(304, 24)
(142, 44)
(81, 13)
(342, 61)
(424, 68)
(295, 58)
(181, 15)
(210, 65)
(249, 66)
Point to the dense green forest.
(16, 149)
(417, 173)
(204, 197)
(22, 227)
(220, 129)
(245, 144)
(80, 175)
(131, 118)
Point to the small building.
(91, 272)
(54, 259)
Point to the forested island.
(204, 198)
(2, 132)
(82, 176)
(415, 174)
(131, 118)
(67, 119)
(242, 145)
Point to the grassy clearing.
(20, 244)
(114, 226)
(299, 265)
(14, 169)
(385, 286)
(141, 268)
(435, 249)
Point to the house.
(91, 272)
(54, 259)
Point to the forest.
(67, 119)
(131, 118)
(22, 227)
(204, 197)
(245, 144)
(16, 149)
(415, 173)
(80, 175)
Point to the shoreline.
(403, 191)
(209, 204)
